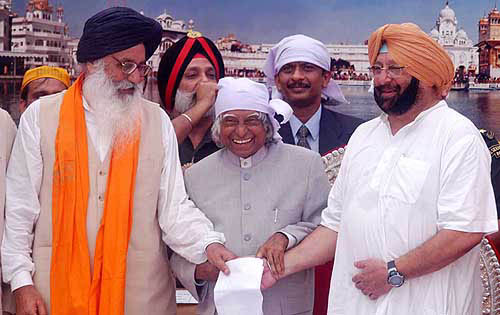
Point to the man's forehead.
(240, 113)
(135, 53)
(43, 83)
(385, 58)
(200, 63)
(299, 63)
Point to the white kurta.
(179, 219)
(394, 193)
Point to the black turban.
(176, 59)
(116, 29)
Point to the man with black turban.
(95, 186)
(187, 84)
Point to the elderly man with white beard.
(95, 187)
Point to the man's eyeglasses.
(128, 67)
(393, 71)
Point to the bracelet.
(188, 119)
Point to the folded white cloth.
(239, 292)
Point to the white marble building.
(455, 40)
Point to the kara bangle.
(188, 119)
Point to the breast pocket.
(408, 179)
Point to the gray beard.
(184, 101)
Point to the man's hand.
(218, 254)
(274, 251)
(268, 280)
(205, 94)
(372, 280)
(29, 301)
(206, 271)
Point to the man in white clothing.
(413, 197)
(95, 186)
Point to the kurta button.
(247, 237)
(247, 206)
(101, 198)
(246, 176)
(101, 173)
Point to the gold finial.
(193, 34)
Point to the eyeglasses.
(393, 71)
(128, 67)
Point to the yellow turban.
(423, 57)
(59, 74)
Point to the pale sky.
(267, 21)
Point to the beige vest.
(150, 288)
(7, 135)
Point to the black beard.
(401, 104)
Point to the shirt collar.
(385, 118)
(312, 124)
(248, 162)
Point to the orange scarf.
(72, 289)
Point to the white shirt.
(312, 124)
(393, 193)
(24, 178)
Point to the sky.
(267, 21)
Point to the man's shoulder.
(205, 165)
(294, 152)
(4, 115)
(347, 121)
(151, 106)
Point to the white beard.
(119, 116)
(185, 100)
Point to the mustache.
(125, 84)
(298, 85)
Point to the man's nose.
(241, 130)
(136, 77)
(297, 74)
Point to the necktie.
(302, 134)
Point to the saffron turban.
(176, 59)
(245, 94)
(57, 73)
(116, 29)
(410, 47)
(300, 48)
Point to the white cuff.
(21, 279)
(214, 237)
(292, 241)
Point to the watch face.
(396, 280)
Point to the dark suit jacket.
(335, 129)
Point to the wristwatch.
(394, 278)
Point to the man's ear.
(327, 76)
(277, 82)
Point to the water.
(483, 108)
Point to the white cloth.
(300, 48)
(393, 193)
(245, 94)
(24, 177)
(239, 292)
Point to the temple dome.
(461, 34)
(447, 14)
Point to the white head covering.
(245, 94)
(300, 48)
